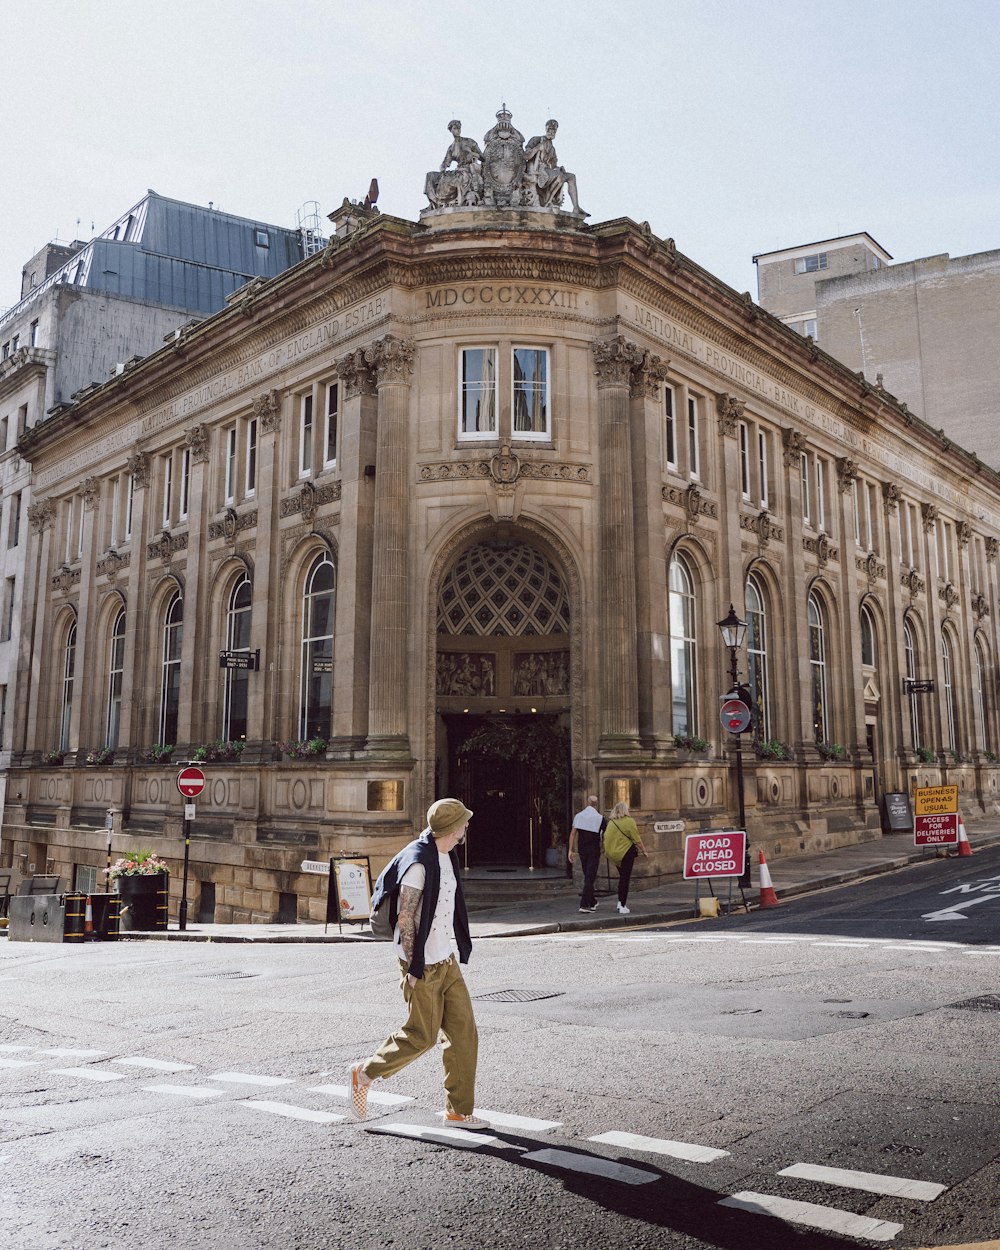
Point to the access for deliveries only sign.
(712, 854)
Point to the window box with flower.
(157, 754)
(54, 758)
(218, 752)
(771, 749)
(303, 750)
(831, 750)
(102, 755)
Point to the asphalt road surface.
(820, 1075)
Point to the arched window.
(757, 640)
(683, 648)
(170, 677)
(69, 674)
(116, 674)
(947, 673)
(235, 696)
(979, 696)
(910, 656)
(817, 668)
(868, 650)
(316, 690)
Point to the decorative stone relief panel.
(65, 578)
(761, 525)
(539, 470)
(540, 673)
(911, 580)
(691, 499)
(111, 565)
(466, 673)
(231, 524)
(307, 498)
(821, 548)
(872, 567)
(165, 546)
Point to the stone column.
(265, 626)
(135, 619)
(846, 703)
(392, 360)
(652, 626)
(890, 710)
(616, 595)
(352, 639)
(35, 711)
(198, 670)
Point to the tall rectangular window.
(762, 469)
(820, 518)
(332, 423)
(185, 483)
(116, 491)
(3, 718)
(305, 435)
(477, 416)
(168, 487)
(8, 608)
(745, 460)
(33, 334)
(669, 430)
(129, 504)
(250, 477)
(531, 392)
(14, 536)
(694, 457)
(230, 436)
(806, 492)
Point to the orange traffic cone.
(768, 898)
(963, 839)
(88, 919)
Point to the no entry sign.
(735, 716)
(940, 829)
(711, 854)
(190, 781)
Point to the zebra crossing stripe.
(830, 1219)
(500, 1119)
(157, 1065)
(70, 1052)
(18, 1063)
(90, 1074)
(294, 1113)
(870, 1182)
(185, 1091)
(381, 1100)
(662, 1146)
(247, 1078)
(431, 1133)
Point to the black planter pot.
(144, 902)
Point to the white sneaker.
(623, 910)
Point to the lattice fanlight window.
(502, 591)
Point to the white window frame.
(670, 427)
(185, 484)
(764, 494)
(250, 460)
(745, 460)
(531, 389)
(307, 431)
(694, 453)
(230, 466)
(168, 487)
(492, 431)
(331, 425)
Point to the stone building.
(927, 328)
(454, 506)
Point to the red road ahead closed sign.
(937, 829)
(714, 854)
(190, 781)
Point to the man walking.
(588, 826)
(423, 889)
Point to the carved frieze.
(40, 515)
(794, 444)
(232, 523)
(872, 568)
(196, 441)
(911, 580)
(541, 470)
(307, 498)
(540, 673)
(730, 411)
(847, 473)
(111, 565)
(761, 525)
(165, 546)
(65, 578)
(691, 499)
(466, 673)
(822, 548)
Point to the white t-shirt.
(441, 938)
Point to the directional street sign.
(190, 781)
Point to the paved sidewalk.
(671, 901)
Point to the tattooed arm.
(409, 918)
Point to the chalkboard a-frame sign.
(896, 815)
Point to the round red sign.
(735, 716)
(190, 781)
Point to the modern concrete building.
(455, 506)
(88, 311)
(926, 330)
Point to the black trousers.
(625, 874)
(588, 843)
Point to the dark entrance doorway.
(515, 803)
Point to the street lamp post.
(733, 632)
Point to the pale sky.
(733, 126)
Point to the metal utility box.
(37, 918)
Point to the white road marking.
(381, 1100)
(423, 1132)
(90, 1074)
(591, 1165)
(13, 1048)
(813, 1216)
(500, 1119)
(847, 943)
(186, 1091)
(294, 1113)
(954, 912)
(158, 1065)
(913, 949)
(18, 1063)
(631, 939)
(870, 1182)
(662, 1146)
(247, 1078)
(70, 1052)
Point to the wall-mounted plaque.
(622, 790)
(385, 796)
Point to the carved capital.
(891, 495)
(90, 489)
(138, 466)
(196, 441)
(356, 374)
(730, 411)
(948, 595)
(929, 513)
(648, 376)
(964, 533)
(267, 410)
(392, 359)
(992, 548)
(847, 473)
(615, 359)
(980, 605)
(40, 515)
(794, 444)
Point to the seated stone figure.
(462, 185)
(544, 178)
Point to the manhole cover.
(227, 976)
(520, 996)
(985, 1002)
(903, 1148)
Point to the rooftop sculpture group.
(504, 173)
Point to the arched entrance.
(502, 696)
